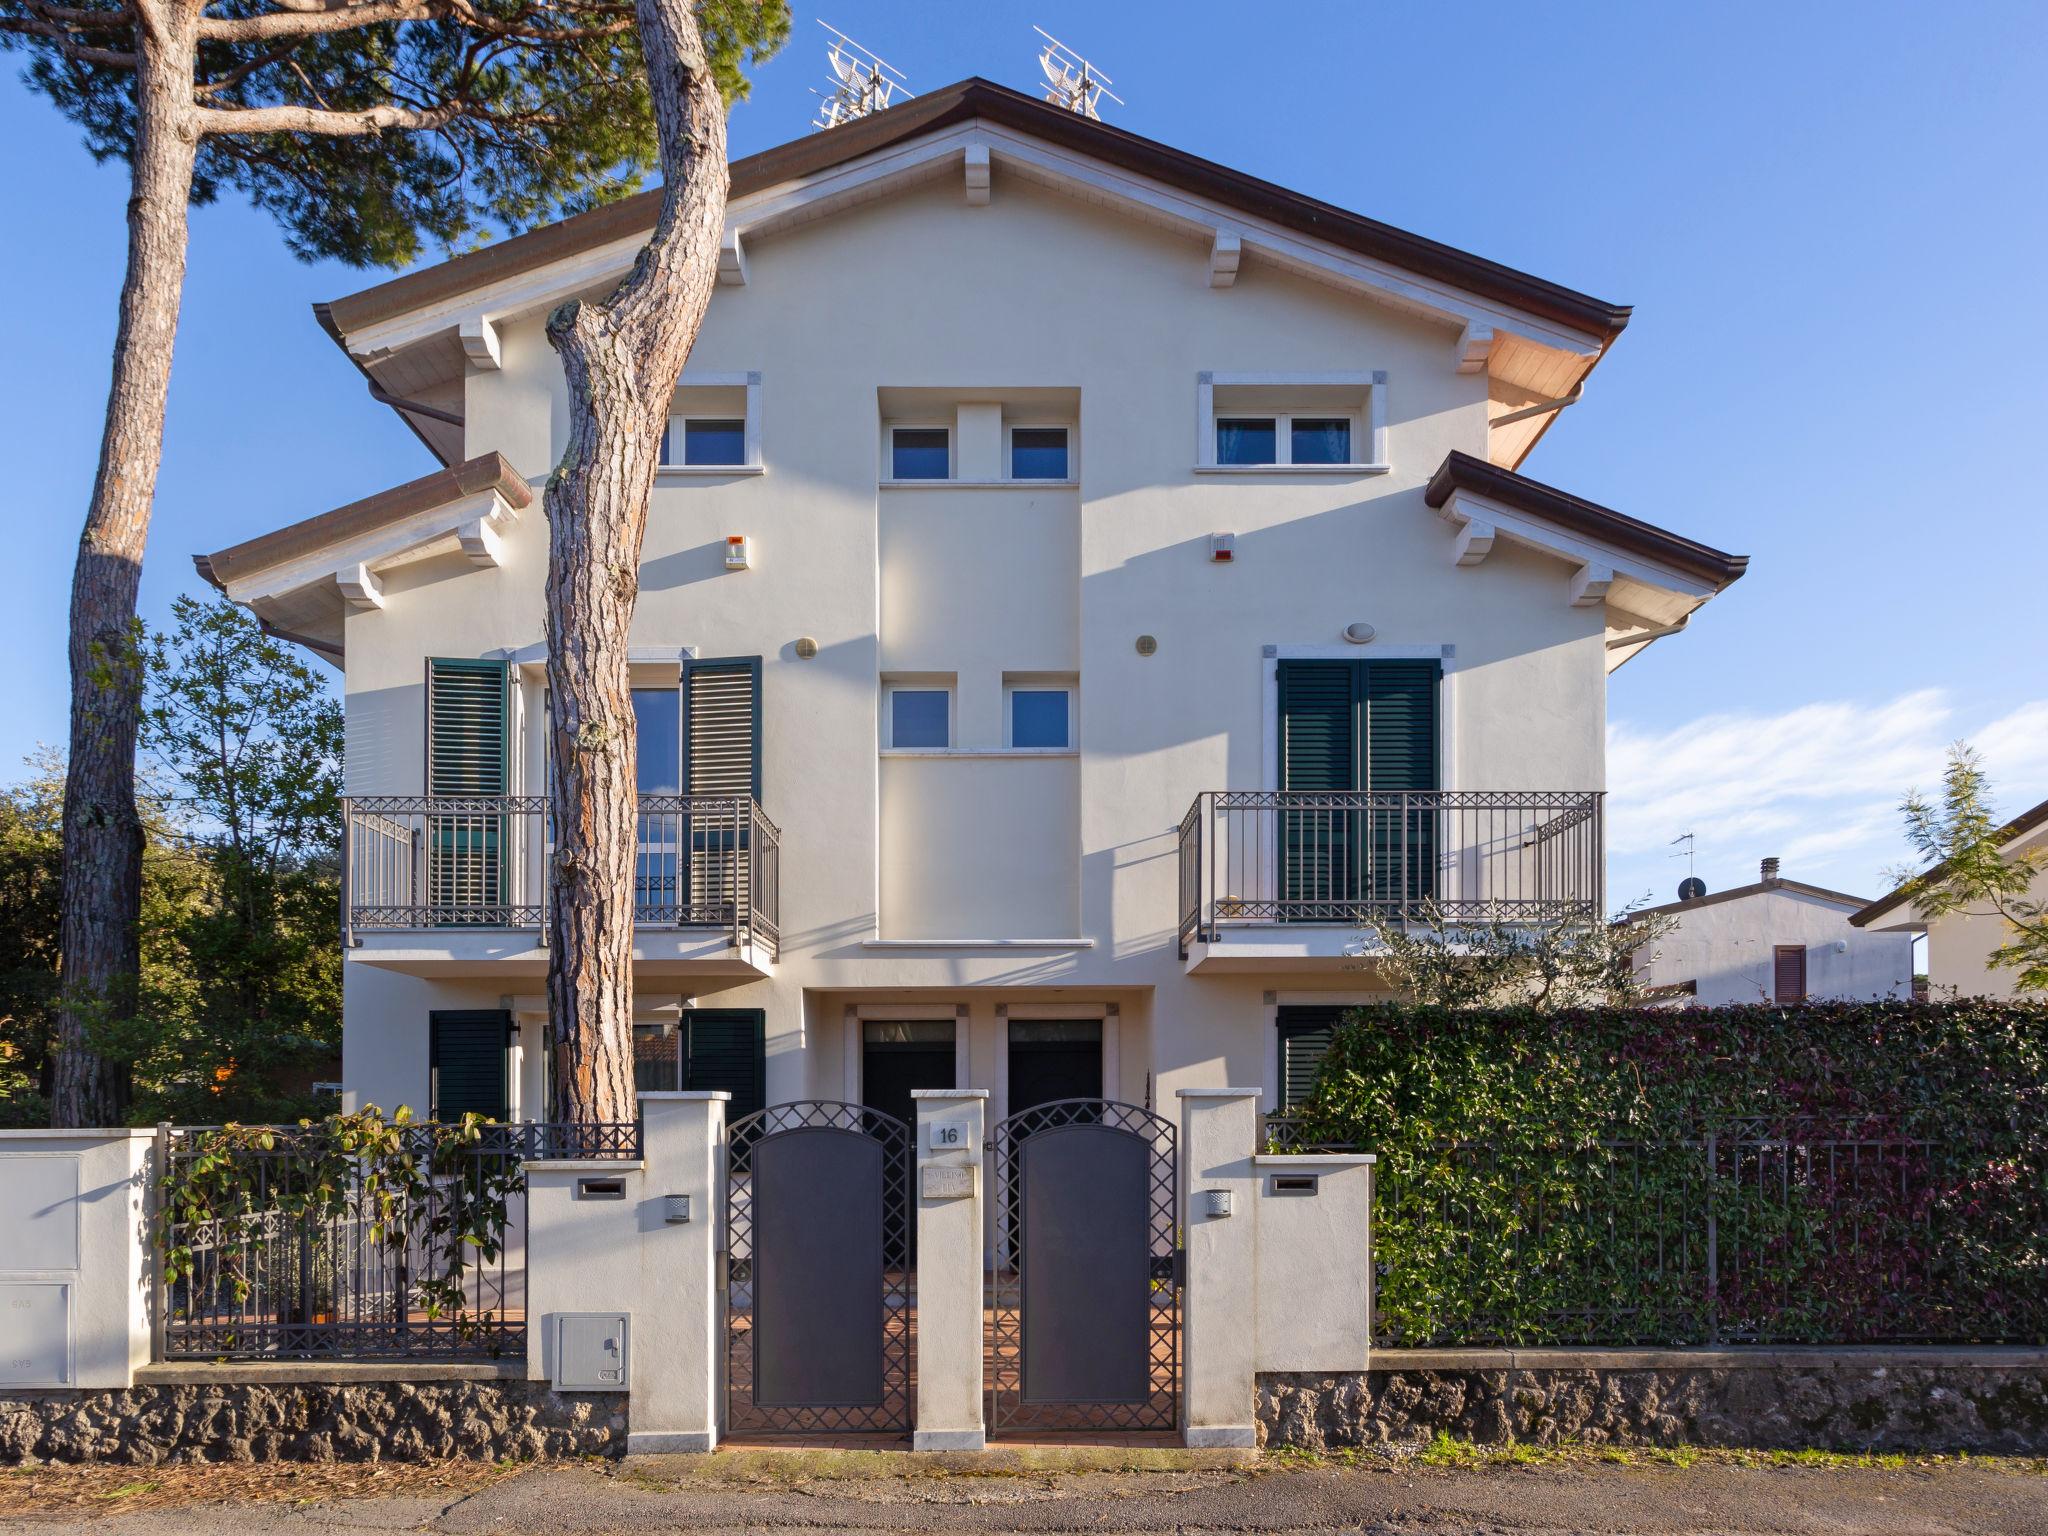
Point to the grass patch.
(1449, 1453)
(752, 1467)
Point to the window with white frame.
(917, 715)
(1039, 453)
(1038, 714)
(714, 425)
(1314, 423)
(920, 453)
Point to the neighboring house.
(1959, 944)
(1777, 941)
(1084, 580)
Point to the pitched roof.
(1736, 892)
(2019, 826)
(1462, 472)
(967, 100)
(490, 472)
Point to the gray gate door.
(817, 1302)
(1085, 1332)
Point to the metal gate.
(817, 1293)
(1085, 1331)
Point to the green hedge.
(1828, 1173)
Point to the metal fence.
(1284, 856)
(1787, 1232)
(275, 1282)
(411, 862)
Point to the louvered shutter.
(468, 757)
(1305, 1035)
(1318, 752)
(467, 1054)
(728, 1050)
(1400, 736)
(721, 758)
(1790, 980)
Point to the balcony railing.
(1286, 856)
(412, 863)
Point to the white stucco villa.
(1960, 944)
(1084, 580)
(1773, 941)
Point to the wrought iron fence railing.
(1285, 856)
(1759, 1232)
(413, 862)
(295, 1272)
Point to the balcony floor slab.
(681, 953)
(1275, 949)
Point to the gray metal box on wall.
(590, 1351)
(39, 1208)
(35, 1334)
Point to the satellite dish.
(1691, 888)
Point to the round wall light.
(806, 648)
(1359, 634)
(1147, 645)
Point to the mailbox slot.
(1293, 1184)
(607, 1187)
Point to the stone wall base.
(1865, 1406)
(310, 1421)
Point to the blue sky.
(1830, 220)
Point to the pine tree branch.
(356, 123)
(66, 43)
(329, 19)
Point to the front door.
(896, 1057)
(1054, 1059)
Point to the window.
(1258, 440)
(705, 441)
(466, 1063)
(920, 453)
(1038, 453)
(1305, 1035)
(657, 716)
(914, 717)
(711, 1049)
(1040, 718)
(1789, 973)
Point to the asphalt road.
(1397, 1501)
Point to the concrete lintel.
(1217, 1093)
(949, 1093)
(1313, 1159)
(585, 1165)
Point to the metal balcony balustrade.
(412, 863)
(1350, 858)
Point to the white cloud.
(1819, 786)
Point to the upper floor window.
(917, 716)
(1324, 423)
(1038, 717)
(701, 441)
(1038, 453)
(920, 453)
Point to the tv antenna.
(1692, 887)
(862, 82)
(1071, 82)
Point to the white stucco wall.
(1959, 944)
(1726, 948)
(1033, 292)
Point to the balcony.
(1280, 880)
(459, 886)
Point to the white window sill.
(695, 471)
(981, 752)
(1292, 469)
(981, 485)
(977, 943)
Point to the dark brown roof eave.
(490, 472)
(2019, 826)
(1463, 472)
(978, 98)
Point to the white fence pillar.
(640, 1240)
(76, 1257)
(1279, 1263)
(949, 1198)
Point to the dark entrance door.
(1085, 1327)
(1054, 1059)
(818, 1325)
(896, 1057)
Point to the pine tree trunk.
(102, 894)
(622, 358)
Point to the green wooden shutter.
(1399, 732)
(722, 726)
(728, 1049)
(467, 1054)
(1305, 1035)
(468, 757)
(1318, 752)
